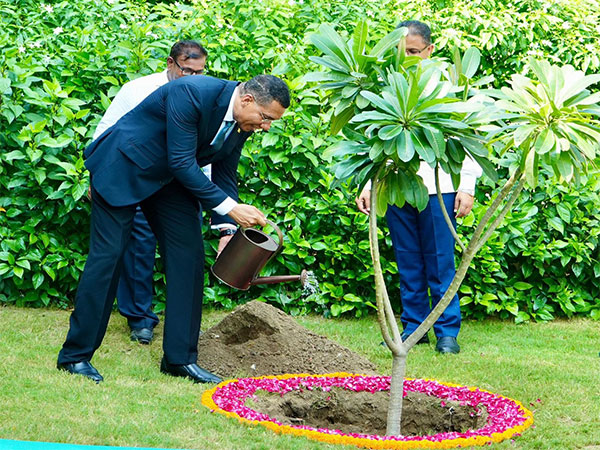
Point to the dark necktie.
(222, 134)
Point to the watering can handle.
(276, 228)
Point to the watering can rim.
(279, 234)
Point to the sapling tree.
(394, 111)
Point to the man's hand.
(247, 216)
(463, 204)
(363, 201)
(222, 243)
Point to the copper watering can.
(248, 251)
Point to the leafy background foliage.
(62, 64)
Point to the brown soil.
(258, 339)
(365, 412)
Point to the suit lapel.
(218, 112)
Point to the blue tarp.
(27, 445)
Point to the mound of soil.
(365, 412)
(258, 339)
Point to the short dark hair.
(418, 28)
(187, 49)
(267, 88)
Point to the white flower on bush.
(151, 34)
(36, 44)
(123, 26)
(58, 30)
(46, 60)
(110, 2)
(22, 49)
(289, 47)
(370, 13)
(566, 25)
(547, 43)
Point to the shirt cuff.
(225, 206)
(223, 226)
(467, 183)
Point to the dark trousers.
(134, 292)
(424, 249)
(173, 214)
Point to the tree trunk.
(394, 415)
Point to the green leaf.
(422, 147)
(360, 38)
(387, 42)
(545, 141)
(38, 280)
(339, 121)
(331, 43)
(436, 140)
(522, 133)
(15, 154)
(565, 166)
(372, 115)
(564, 212)
(522, 286)
(531, 168)
(470, 62)
(112, 80)
(405, 148)
(557, 224)
(389, 132)
(380, 102)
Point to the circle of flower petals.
(506, 417)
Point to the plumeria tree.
(394, 111)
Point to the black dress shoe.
(142, 335)
(191, 371)
(447, 344)
(84, 368)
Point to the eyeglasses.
(187, 70)
(265, 118)
(415, 51)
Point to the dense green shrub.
(62, 64)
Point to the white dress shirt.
(468, 177)
(130, 95)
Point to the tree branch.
(444, 211)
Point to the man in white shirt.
(134, 293)
(423, 243)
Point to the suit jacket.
(167, 137)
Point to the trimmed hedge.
(63, 63)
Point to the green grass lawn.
(553, 369)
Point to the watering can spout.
(281, 279)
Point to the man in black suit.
(153, 157)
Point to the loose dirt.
(365, 412)
(258, 339)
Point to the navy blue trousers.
(173, 215)
(424, 249)
(134, 292)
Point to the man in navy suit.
(153, 157)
